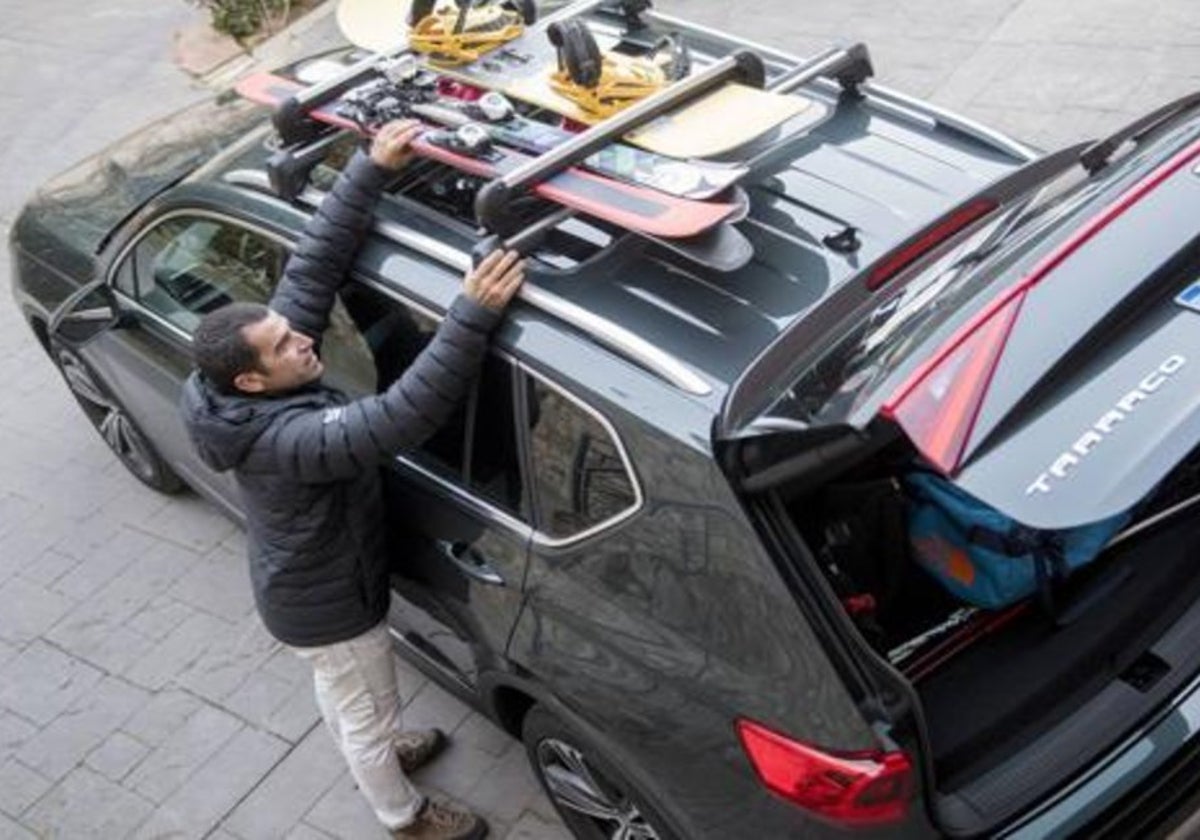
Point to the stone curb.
(274, 51)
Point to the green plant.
(242, 19)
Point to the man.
(306, 461)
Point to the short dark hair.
(219, 348)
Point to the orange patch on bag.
(949, 559)
(959, 567)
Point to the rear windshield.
(849, 373)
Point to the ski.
(632, 207)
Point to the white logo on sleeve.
(333, 415)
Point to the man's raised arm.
(333, 444)
(331, 239)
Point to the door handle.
(471, 562)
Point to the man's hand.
(496, 279)
(391, 148)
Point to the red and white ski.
(635, 208)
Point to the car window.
(495, 464)
(476, 448)
(581, 479)
(187, 266)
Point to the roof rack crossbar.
(850, 65)
(493, 199)
(612, 335)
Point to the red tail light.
(938, 405)
(897, 261)
(854, 788)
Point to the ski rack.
(304, 141)
(494, 198)
(622, 340)
(291, 116)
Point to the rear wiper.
(1096, 156)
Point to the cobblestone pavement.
(139, 695)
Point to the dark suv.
(664, 541)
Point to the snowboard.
(629, 206)
(718, 123)
(687, 179)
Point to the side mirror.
(85, 314)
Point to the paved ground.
(138, 694)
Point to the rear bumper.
(1143, 788)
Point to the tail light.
(938, 405)
(857, 788)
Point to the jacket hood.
(224, 427)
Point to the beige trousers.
(355, 683)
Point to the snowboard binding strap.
(603, 84)
(461, 35)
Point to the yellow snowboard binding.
(602, 85)
(463, 32)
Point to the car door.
(184, 264)
(458, 506)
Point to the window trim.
(481, 506)
(543, 539)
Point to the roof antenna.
(845, 241)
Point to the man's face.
(285, 357)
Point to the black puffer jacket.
(308, 462)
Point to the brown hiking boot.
(443, 821)
(415, 749)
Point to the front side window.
(581, 479)
(187, 266)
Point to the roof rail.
(606, 332)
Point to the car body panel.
(668, 628)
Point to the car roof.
(872, 166)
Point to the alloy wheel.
(580, 789)
(109, 418)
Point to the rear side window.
(581, 477)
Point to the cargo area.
(991, 683)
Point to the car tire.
(593, 798)
(110, 419)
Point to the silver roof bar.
(610, 334)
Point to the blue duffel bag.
(985, 557)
